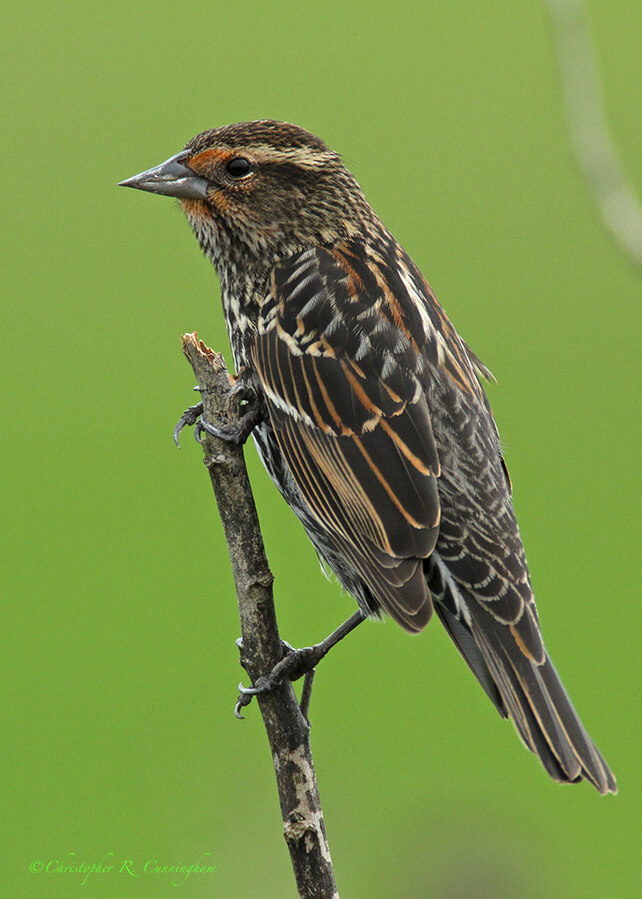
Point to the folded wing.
(353, 425)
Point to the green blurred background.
(121, 668)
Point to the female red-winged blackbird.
(377, 431)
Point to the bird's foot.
(295, 664)
(246, 694)
(235, 434)
(292, 666)
(243, 403)
(188, 418)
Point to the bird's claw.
(263, 685)
(292, 666)
(236, 434)
(245, 408)
(188, 418)
(295, 663)
(241, 702)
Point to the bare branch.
(595, 150)
(286, 726)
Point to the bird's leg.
(297, 662)
(249, 412)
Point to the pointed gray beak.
(172, 179)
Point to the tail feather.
(531, 694)
(461, 636)
(526, 698)
(594, 767)
(515, 704)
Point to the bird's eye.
(239, 167)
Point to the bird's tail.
(529, 693)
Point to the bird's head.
(260, 189)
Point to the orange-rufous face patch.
(204, 160)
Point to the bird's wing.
(477, 574)
(351, 419)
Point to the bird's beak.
(172, 179)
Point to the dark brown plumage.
(378, 433)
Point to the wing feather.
(355, 434)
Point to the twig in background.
(595, 150)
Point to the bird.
(373, 420)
